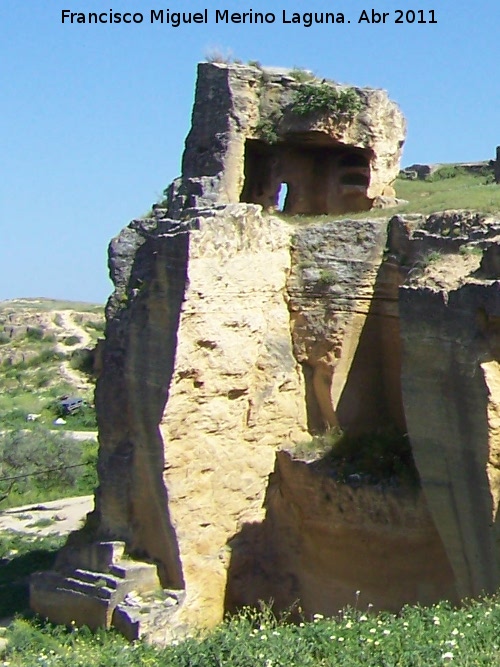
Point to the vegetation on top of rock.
(301, 75)
(383, 456)
(472, 192)
(454, 170)
(218, 55)
(461, 191)
(267, 128)
(342, 104)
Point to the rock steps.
(103, 590)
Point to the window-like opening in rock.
(354, 160)
(302, 175)
(281, 196)
(354, 178)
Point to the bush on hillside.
(39, 465)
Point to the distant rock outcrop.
(234, 335)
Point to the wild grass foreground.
(417, 637)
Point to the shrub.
(82, 420)
(382, 455)
(38, 465)
(327, 277)
(34, 333)
(219, 55)
(97, 325)
(88, 480)
(36, 451)
(340, 103)
(301, 75)
(72, 340)
(428, 258)
(267, 129)
(447, 171)
(48, 354)
(83, 360)
(378, 456)
(467, 250)
(43, 377)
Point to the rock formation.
(234, 335)
(337, 148)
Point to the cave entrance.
(307, 173)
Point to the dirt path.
(57, 517)
(72, 328)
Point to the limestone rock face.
(237, 390)
(449, 309)
(342, 312)
(248, 138)
(234, 336)
(322, 541)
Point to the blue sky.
(94, 117)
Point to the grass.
(44, 522)
(327, 277)
(417, 637)
(302, 75)
(31, 378)
(464, 191)
(20, 556)
(37, 466)
(383, 456)
(44, 304)
(34, 392)
(428, 258)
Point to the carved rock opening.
(323, 176)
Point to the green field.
(461, 191)
(417, 637)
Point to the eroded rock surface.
(233, 334)
(322, 541)
(247, 140)
(449, 311)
